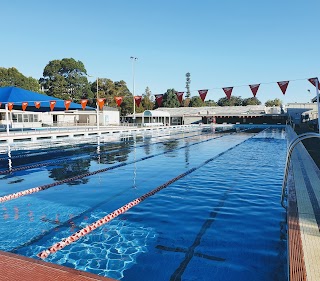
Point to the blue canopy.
(17, 96)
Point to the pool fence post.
(317, 93)
(7, 118)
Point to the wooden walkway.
(18, 268)
(303, 216)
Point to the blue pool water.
(223, 221)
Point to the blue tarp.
(17, 96)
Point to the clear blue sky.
(221, 43)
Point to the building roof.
(17, 96)
(156, 113)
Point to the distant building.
(252, 114)
(302, 112)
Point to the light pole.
(134, 102)
(98, 120)
(97, 102)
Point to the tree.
(66, 79)
(234, 101)
(196, 102)
(170, 99)
(275, 102)
(251, 101)
(210, 103)
(147, 101)
(12, 77)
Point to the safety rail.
(291, 146)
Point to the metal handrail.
(291, 146)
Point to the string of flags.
(283, 85)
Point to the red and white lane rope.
(89, 228)
(86, 230)
(47, 186)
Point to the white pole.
(7, 118)
(98, 121)
(134, 102)
(317, 92)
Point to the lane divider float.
(89, 228)
(18, 194)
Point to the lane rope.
(18, 194)
(80, 157)
(72, 148)
(89, 228)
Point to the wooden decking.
(303, 216)
(18, 268)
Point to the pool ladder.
(291, 146)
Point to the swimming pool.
(221, 220)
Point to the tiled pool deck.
(303, 216)
(18, 268)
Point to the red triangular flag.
(24, 106)
(137, 100)
(179, 96)
(37, 104)
(101, 102)
(84, 103)
(52, 104)
(313, 82)
(254, 89)
(118, 100)
(10, 105)
(159, 99)
(283, 86)
(67, 104)
(203, 94)
(228, 91)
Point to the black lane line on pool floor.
(25, 167)
(29, 191)
(70, 149)
(190, 252)
(68, 222)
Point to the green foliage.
(210, 103)
(109, 90)
(251, 101)
(196, 102)
(275, 102)
(66, 79)
(170, 99)
(147, 101)
(234, 101)
(12, 77)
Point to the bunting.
(228, 91)
(313, 82)
(254, 89)
(67, 104)
(159, 99)
(179, 96)
(52, 104)
(10, 105)
(283, 86)
(84, 103)
(37, 104)
(24, 106)
(203, 94)
(137, 100)
(100, 102)
(118, 100)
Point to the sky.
(228, 43)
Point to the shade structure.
(17, 96)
